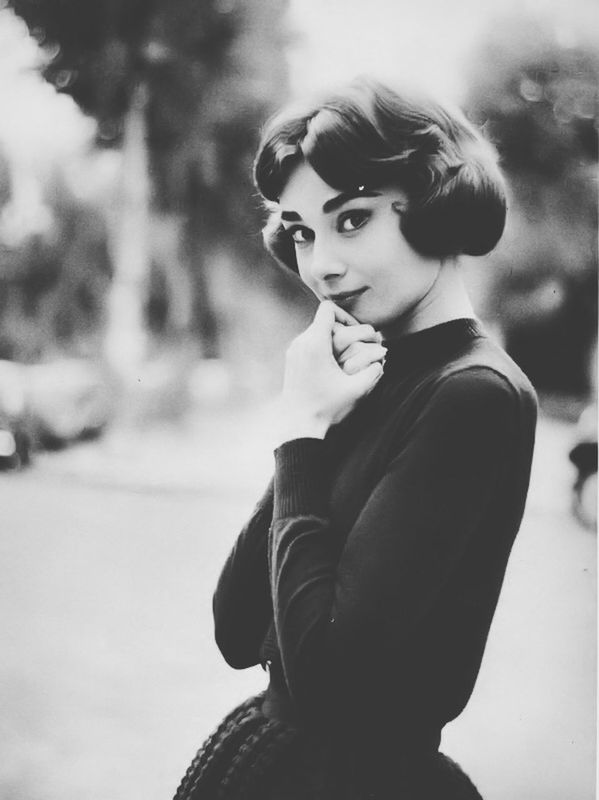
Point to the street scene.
(110, 676)
(156, 277)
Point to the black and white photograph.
(298, 399)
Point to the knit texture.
(252, 757)
(238, 759)
(301, 486)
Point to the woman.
(367, 577)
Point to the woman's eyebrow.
(333, 204)
(290, 216)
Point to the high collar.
(438, 341)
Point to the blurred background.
(142, 335)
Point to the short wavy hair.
(369, 135)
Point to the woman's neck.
(445, 299)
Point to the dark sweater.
(369, 573)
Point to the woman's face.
(350, 249)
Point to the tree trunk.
(125, 342)
(167, 238)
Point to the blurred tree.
(182, 87)
(535, 91)
(54, 281)
(49, 296)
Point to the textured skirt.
(252, 757)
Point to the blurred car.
(67, 400)
(584, 457)
(48, 406)
(15, 440)
(15, 446)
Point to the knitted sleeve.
(242, 604)
(339, 620)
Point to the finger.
(369, 351)
(367, 355)
(324, 319)
(344, 336)
(364, 381)
(343, 316)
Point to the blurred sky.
(37, 122)
(425, 43)
(421, 42)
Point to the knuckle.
(362, 330)
(353, 350)
(339, 342)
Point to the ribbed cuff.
(301, 479)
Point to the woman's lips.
(347, 299)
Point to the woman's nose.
(326, 264)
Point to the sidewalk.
(216, 449)
(224, 446)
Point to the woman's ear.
(278, 242)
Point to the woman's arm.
(422, 517)
(242, 604)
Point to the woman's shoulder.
(489, 362)
(483, 373)
(459, 377)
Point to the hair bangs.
(280, 152)
(344, 148)
(274, 168)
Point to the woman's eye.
(352, 220)
(300, 235)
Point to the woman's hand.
(317, 391)
(356, 347)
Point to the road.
(109, 677)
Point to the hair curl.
(370, 135)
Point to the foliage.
(97, 51)
(536, 97)
(212, 70)
(54, 283)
